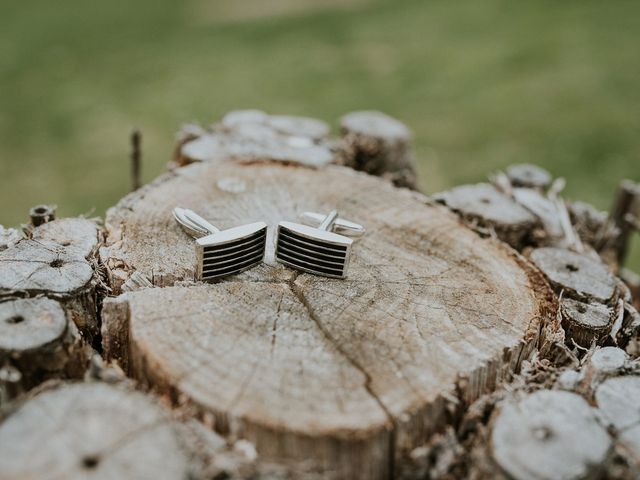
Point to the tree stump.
(548, 435)
(58, 262)
(250, 135)
(586, 323)
(346, 375)
(38, 341)
(91, 430)
(79, 233)
(380, 145)
(485, 207)
(529, 176)
(617, 398)
(577, 276)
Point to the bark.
(429, 317)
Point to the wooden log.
(529, 176)
(284, 124)
(586, 323)
(577, 276)
(91, 430)
(483, 206)
(310, 368)
(549, 435)
(253, 135)
(379, 145)
(38, 341)
(57, 262)
(608, 360)
(617, 399)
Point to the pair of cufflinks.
(314, 246)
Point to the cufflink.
(220, 253)
(318, 250)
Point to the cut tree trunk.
(548, 435)
(482, 206)
(347, 376)
(38, 342)
(58, 261)
(91, 430)
(378, 144)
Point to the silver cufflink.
(319, 250)
(223, 252)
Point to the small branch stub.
(136, 159)
(624, 216)
(42, 214)
(529, 176)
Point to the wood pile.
(489, 331)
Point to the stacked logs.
(561, 403)
(575, 419)
(48, 302)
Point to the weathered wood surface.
(485, 207)
(444, 354)
(378, 144)
(253, 135)
(91, 430)
(430, 315)
(58, 261)
(529, 176)
(586, 323)
(577, 276)
(617, 399)
(38, 342)
(549, 435)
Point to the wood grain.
(90, 430)
(549, 435)
(346, 374)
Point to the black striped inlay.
(233, 268)
(232, 251)
(233, 257)
(243, 241)
(310, 254)
(325, 246)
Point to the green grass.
(482, 84)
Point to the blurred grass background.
(482, 83)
